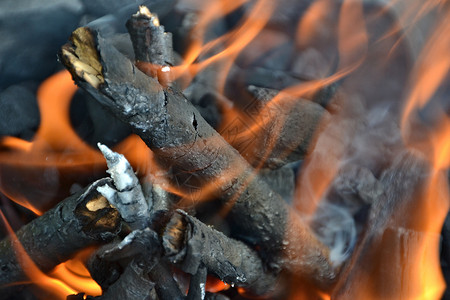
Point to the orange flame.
(429, 73)
(53, 286)
(74, 273)
(56, 145)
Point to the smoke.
(335, 227)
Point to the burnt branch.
(77, 222)
(200, 157)
(152, 45)
(194, 245)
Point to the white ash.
(127, 195)
(203, 290)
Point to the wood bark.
(79, 221)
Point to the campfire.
(225, 150)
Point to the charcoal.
(270, 49)
(31, 32)
(166, 286)
(285, 13)
(197, 284)
(215, 296)
(273, 79)
(93, 123)
(355, 186)
(133, 284)
(310, 63)
(282, 130)
(19, 112)
(394, 230)
(280, 181)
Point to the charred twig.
(198, 155)
(77, 222)
(127, 194)
(166, 286)
(110, 265)
(133, 284)
(192, 245)
(152, 45)
(197, 284)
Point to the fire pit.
(278, 150)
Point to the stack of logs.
(266, 241)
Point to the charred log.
(194, 245)
(77, 222)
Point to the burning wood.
(152, 45)
(199, 156)
(80, 221)
(364, 203)
(193, 245)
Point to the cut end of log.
(97, 216)
(174, 235)
(81, 57)
(97, 204)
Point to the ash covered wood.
(200, 157)
(193, 245)
(77, 222)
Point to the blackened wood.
(150, 42)
(197, 284)
(380, 267)
(152, 45)
(108, 263)
(77, 222)
(133, 284)
(283, 128)
(199, 156)
(165, 285)
(192, 245)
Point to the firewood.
(197, 284)
(79, 221)
(152, 45)
(198, 155)
(192, 245)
